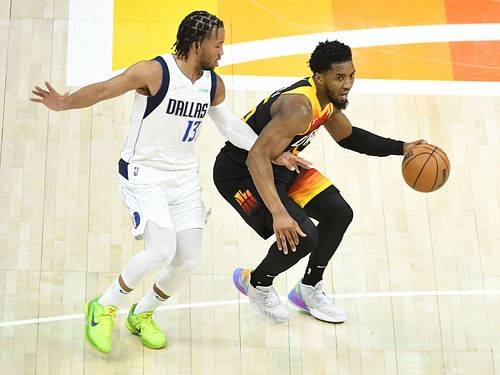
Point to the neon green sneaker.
(99, 320)
(146, 328)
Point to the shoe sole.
(136, 333)
(321, 316)
(258, 311)
(87, 337)
(299, 303)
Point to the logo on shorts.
(136, 171)
(246, 200)
(136, 218)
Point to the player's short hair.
(195, 27)
(327, 53)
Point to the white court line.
(437, 293)
(58, 318)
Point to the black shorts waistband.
(123, 168)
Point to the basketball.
(425, 168)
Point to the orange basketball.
(425, 168)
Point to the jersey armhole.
(154, 101)
(213, 89)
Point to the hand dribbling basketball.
(425, 167)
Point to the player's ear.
(196, 46)
(319, 78)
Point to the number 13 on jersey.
(191, 129)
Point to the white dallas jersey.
(165, 126)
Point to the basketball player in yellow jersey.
(159, 169)
(272, 199)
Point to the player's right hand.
(408, 146)
(292, 162)
(287, 232)
(51, 98)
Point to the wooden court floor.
(418, 274)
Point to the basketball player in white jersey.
(158, 168)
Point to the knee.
(185, 266)
(164, 256)
(340, 215)
(330, 208)
(347, 214)
(160, 243)
(177, 273)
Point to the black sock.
(260, 278)
(313, 275)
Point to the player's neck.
(321, 94)
(189, 67)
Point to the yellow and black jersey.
(233, 180)
(260, 116)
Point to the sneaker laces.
(145, 322)
(107, 316)
(269, 297)
(319, 296)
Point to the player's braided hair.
(195, 27)
(327, 53)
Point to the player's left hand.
(408, 146)
(287, 232)
(51, 98)
(292, 162)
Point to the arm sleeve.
(236, 131)
(368, 143)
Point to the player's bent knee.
(162, 258)
(340, 213)
(175, 277)
(186, 268)
(348, 214)
(160, 243)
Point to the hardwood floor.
(418, 274)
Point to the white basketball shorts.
(174, 201)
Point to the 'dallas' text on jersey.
(165, 126)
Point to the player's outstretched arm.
(362, 141)
(139, 76)
(235, 130)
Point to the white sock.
(113, 296)
(149, 302)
